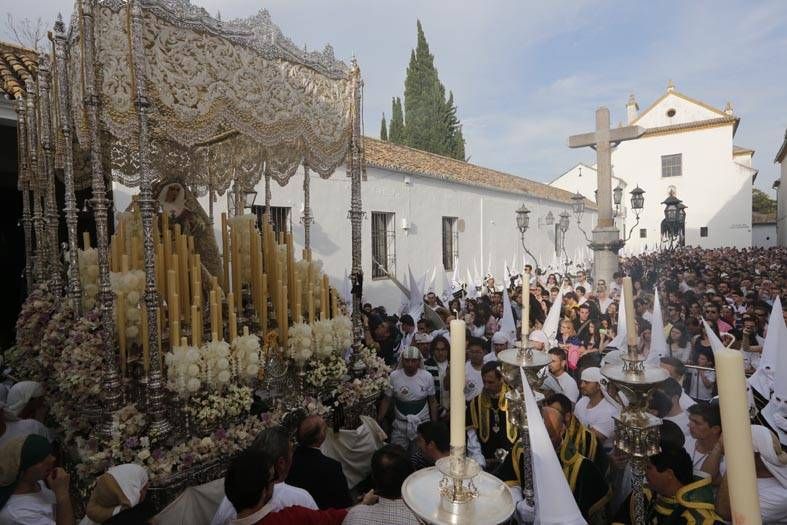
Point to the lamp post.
(522, 223)
(674, 220)
(563, 225)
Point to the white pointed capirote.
(416, 303)
(775, 412)
(658, 342)
(619, 341)
(555, 503)
(472, 293)
(552, 321)
(716, 345)
(448, 287)
(775, 343)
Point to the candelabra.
(455, 491)
(516, 360)
(637, 432)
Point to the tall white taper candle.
(457, 376)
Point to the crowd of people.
(286, 478)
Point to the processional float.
(151, 327)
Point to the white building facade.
(687, 148)
(422, 211)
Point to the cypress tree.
(383, 130)
(430, 121)
(396, 130)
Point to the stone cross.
(606, 238)
(603, 140)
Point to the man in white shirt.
(593, 410)
(677, 415)
(474, 383)
(500, 342)
(276, 442)
(557, 369)
(411, 391)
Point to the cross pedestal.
(606, 238)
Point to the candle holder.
(637, 432)
(456, 491)
(529, 360)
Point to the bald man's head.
(311, 431)
(555, 426)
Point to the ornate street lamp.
(674, 218)
(637, 204)
(522, 223)
(617, 195)
(563, 226)
(578, 204)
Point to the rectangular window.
(383, 244)
(643, 233)
(280, 217)
(703, 231)
(672, 165)
(450, 242)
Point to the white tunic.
(569, 386)
(37, 508)
(599, 417)
(474, 382)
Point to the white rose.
(254, 357)
(223, 377)
(193, 370)
(252, 370)
(194, 384)
(192, 355)
(143, 454)
(222, 363)
(132, 315)
(132, 298)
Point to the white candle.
(525, 308)
(628, 296)
(457, 384)
(741, 474)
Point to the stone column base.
(605, 246)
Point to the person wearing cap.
(423, 342)
(489, 428)
(411, 391)
(593, 409)
(770, 462)
(500, 342)
(32, 490)
(11, 426)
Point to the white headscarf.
(775, 460)
(21, 394)
(130, 477)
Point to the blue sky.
(525, 74)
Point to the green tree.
(761, 202)
(396, 130)
(383, 130)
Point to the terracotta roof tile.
(17, 64)
(387, 155)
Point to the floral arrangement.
(299, 344)
(242, 223)
(183, 370)
(80, 368)
(209, 409)
(376, 374)
(245, 357)
(323, 341)
(55, 335)
(88, 275)
(342, 332)
(34, 317)
(214, 363)
(326, 370)
(132, 285)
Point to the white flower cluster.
(183, 370)
(245, 356)
(241, 222)
(299, 345)
(342, 332)
(132, 284)
(215, 364)
(88, 275)
(376, 377)
(323, 341)
(321, 371)
(209, 410)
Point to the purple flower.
(157, 454)
(131, 442)
(220, 433)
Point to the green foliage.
(761, 202)
(383, 130)
(429, 121)
(396, 130)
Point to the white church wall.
(586, 182)
(489, 225)
(715, 189)
(684, 112)
(763, 235)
